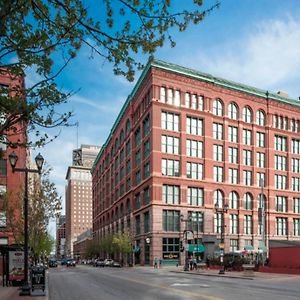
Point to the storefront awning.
(196, 248)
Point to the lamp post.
(222, 210)
(185, 232)
(39, 160)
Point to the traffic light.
(181, 246)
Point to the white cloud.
(267, 57)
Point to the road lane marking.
(189, 284)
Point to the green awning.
(249, 248)
(196, 248)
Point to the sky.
(255, 42)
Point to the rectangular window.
(170, 246)
(233, 245)
(233, 134)
(146, 196)
(137, 201)
(280, 143)
(280, 163)
(169, 144)
(196, 221)
(295, 165)
(295, 184)
(280, 182)
(170, 194)
(170, 167)
(146, 222)
(296, 206)
(194, 126)
(281, 203)
(233, 225)
(233, 176)
(247, 157)
(194, 170)
(260, 160)
(146, 148)
(247, 140)
(248, 224)
(247, 177)
(137, 225)
(128, 148)
(260, 178)
(218, 174)
(146, 125)
(218, 222)
(260, 139)
(195, 196)
(138, 157)
(295, 146)
(137, 137)
(147, 170)
(194, 148)
(218, 152)
(281, 226)
(217, 131)
(170, 121)
(163, 94)
(233, 155)
(187, 100)
(128, 167)
(296, 223)
(171, 220)
(138, 177)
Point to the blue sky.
(256, 42)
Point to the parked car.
(108, 262)
(52, 263)
(71, 263)
(116, 264)
(64, 261)
(99, 263)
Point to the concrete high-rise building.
(79, 194)
(60, 236)
(190, 151)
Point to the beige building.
(79, 194)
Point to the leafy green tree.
(45, 35)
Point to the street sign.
(189, 235)
(221, 245)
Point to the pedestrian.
(207, 262)
(155, 263)
(160, 262)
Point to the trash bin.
(38, 278)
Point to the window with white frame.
(295, 184)
(247, 177)
(170, 194)
(218, 198)
(247, 157)
(170, 167)
(280, 182)
(233, 155)
(281, 226)
(218, 174)
(233, 247)
(275, 121)
(233, 111)
(170, 144)
(260, 118)
(217, 131)
(194, 148)
(281, 203)
(260, 139)
(247, 224)
(295, 146)
(187, 100)
(296, 205)
(280, 143)
(218, 109)
(200, 103)
(296, 223)
(195, 196)
(194, 170)
(260, 159)
(280, 163)
(194, 126)
(248, 201)
(170, 121)
(233, 200)
(194, 101)
(293, 125)
(233, 176)
(163, 94)
(234, 224)
(296, 165)
(247, 140)
(218, 222)
(218, 152)
(247, 114)
(232, 134)
(260, 177)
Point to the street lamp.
(222, 210)
(39, 160)
(185, 233)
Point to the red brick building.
(185, 141)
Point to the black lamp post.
(222, 210)
(186, 262)
(39, 160)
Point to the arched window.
(218, 109)
(128, 127)
(260, 118)
(248, 201)
(233, 200)
(218, 198)
(247, 114)
(233, 111)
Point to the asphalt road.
(145, 283)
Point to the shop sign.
(16, 265)
(170, 255)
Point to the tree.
(45, 35)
